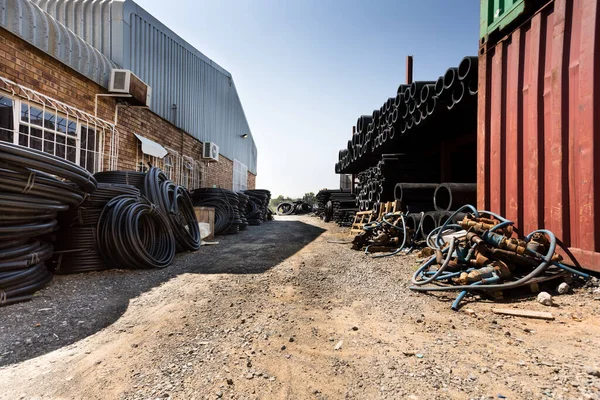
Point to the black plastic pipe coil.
(175, 202)
(32, 195)
(225, 203)
(76, 246)
(134, 233)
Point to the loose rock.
(545, 298)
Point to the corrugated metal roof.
(188, 88)
(28, 21)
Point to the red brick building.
(54, 97)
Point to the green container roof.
(497, 14)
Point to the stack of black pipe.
(417, 114)
(76, 245)
(242, 205)
(133, 178)
(323, 197)
(293, 208)
(175, 202)
(35, 187)
(343, 208)
(225, 203)
(436, 201)
(258, 206)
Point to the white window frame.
(240, 176)
(21, 95)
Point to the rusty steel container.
(538, 139)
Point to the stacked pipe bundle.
(422, 107)
(175, 202)
(293, 208)
(258, 206)
(242, 206)
(133, 178)
(323, 197)
(35, 186)
(481, 255)
(76, 244)
(343, 208)
(225, 203)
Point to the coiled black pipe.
(225, 203)
(175, 202)
(132, 178)
(134, 233)
(35, 187)
(77, 247)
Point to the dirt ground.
(279, 312)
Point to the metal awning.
(151, 148)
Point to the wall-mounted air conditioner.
(124, 81)
(210, 151)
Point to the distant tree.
(309, 198)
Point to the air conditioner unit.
(210, 152)
(124, 81)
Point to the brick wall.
(30, 67)
(251, 181)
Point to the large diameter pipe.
(415, 87)
(428, 223)
(458, 92)
(402, 88)
(467, 68)
(451, 196)
(363, 122)
(450, 77)
(427, 91)
(408, 193)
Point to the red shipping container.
(538, 139)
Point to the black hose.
(35, 187)
(175, 202)
(134, 233)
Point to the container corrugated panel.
(538, 126)
(28, 21)
(188, 88)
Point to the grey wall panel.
(34, 25)
(188, 88)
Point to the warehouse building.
(106, 85)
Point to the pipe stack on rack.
(323, 197)
(343, 208)
(430, 108)
(35, 187)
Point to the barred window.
(53, 130)
(240, 176)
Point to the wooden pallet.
(389, 207)
(360, 219)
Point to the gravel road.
(279, 312)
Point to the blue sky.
(305, 70)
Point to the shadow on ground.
(73, 307)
